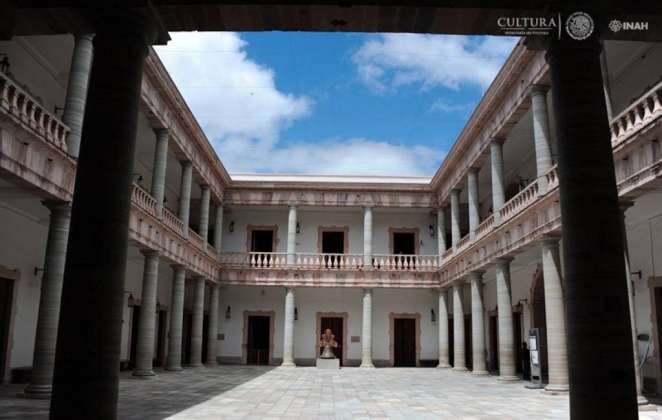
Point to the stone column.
(557, 356)
(507, 368)
(455, 217)
(459, 361)
(594, 268)
(174, 361)
(147, 320)
(41, 379)
(86, 376)
(366, 332)
(496, 163)
(477, 323)
(74, 104)
(291, 235)
(441, 230)
(212, 332)
(218, 230)
(641, 400)
(541, 134)
(204, 214)
(288, 330)
(198, 319)
(185, 194)
(367, 238)
(472, 192)
(442, 321)
(159, 170)
(606, 85)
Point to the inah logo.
(579, 26)
(615, 25)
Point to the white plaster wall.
(310, 301)
(311, 220)
(24, 237)
(644, 234)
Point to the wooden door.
(6, 290)
(404, 346)
(335, 324)
(258, 340)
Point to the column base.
(174, 369)
(211, 364)
(557, 389)
(480, 372)
(508, 378)
(37, 392)
(144, 374)
(443, 366)
(195, 365)
(288, 364)
(641, 400)
(460, 369)
(367, 365)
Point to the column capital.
(204, 187)
(161, 132)
(538, 90)
(456, 191)
(503, 261)
(83, 37)
(497, 141)
(474, 170)
(367, 290)
(57, 206)
(150, 252)
(292, 205)
(177, 266)
(476, 275)
(186, 164)
(624, 204)
(551, 240)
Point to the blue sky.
(332, 103)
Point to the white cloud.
(347, 157)
(243, 113)
(443, 106)
(392, 60)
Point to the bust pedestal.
(330, 364)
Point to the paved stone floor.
(247, 392)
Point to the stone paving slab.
(260, 392)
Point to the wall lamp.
(296, 314)
(298, 228)
(433, 317)
(637, 273)
(228, 313)
(231, 226)
(4, 63)
(431, 227)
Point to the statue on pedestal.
(328, 342)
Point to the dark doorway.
(257, 346)
(162, 316)
(517, 335)
(333, 242)
(658, 313)
(451, 342)
(205, 336)
(6, 290)
(262, 240)
(187, 327)
(335, 324)
(135, 319)
(539, 319)
(494, 344)
(404, 243)
(404, 346)
(468, 353)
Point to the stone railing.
(485, 227)
(27, 111)
(406, 262)
(520, 201)
(317, 261)
(143, 200)
(195, 239)
(173, 222)
(642, 112)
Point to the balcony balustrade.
(318, 261)
(642, 112)
(25, 110)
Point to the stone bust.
(328, 342)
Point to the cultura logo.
(579, 26)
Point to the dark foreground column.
(87, 359)
(599, 342)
